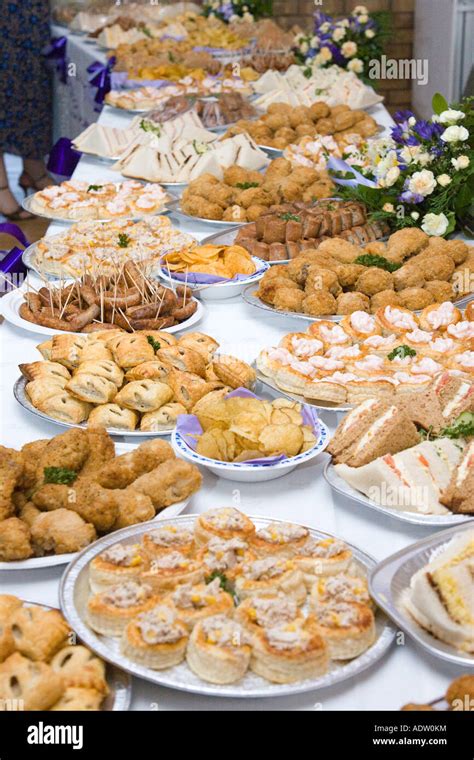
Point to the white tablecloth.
(407, 673)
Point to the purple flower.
(427, 130)
(227, 10)
(337, 55)
(403, 115)
(408, 197)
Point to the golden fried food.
(319, 303)
(223, 260)
(347, 303)
(415, 298)
(384, 298)
(124, 469)
(11, 469)
(373, 280)
(15, 543)
(288, 299)
(60, 532)
(172, 481)
(460, 693)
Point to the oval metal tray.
(74, 590)
(252, 300)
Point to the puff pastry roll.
(225, 556)
(92, 388)
(8, 605)
(79, 699)
(7, 642)
(234, 372)
(144, 395)
(188, 388)
(45, 349)
(34, 683)
(156, 639)
(131, 350)
(117, 564)
(66, 349)
(224, 523)
(38, 633)
(45, 369)
(44, 388)
(267, 611)
(113, 416)
(279, 540)
(271, 574)
(111, 610)
(95, 351)
(154, 370)
(200, 342)
(328, 556)
(348, 628)
(65, 407)
(103, 368)
(168, 538)
(164, 418)
(289, 652)
(79, 667)
(184, 359)
(218, 650)
(194, 603)
(162, 337)
(169, 570)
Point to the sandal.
(19, 214)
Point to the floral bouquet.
(423, 174)
(232, 10)
(352, 42)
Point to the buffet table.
(406, 673)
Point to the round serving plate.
(119, 682)
(74, 590)
(217, 291)
(389, 582)
(250, 472)
(340, 486)
(118, 109)
(322, 406)
(175, 208)
(10, 310)
(27, 205)
(22, 398)
(250, 298)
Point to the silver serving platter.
(74, 591)
(227, 237)
(416, 518)
(175, 208)
(118, 109)
(390, 579)
(272, 152)
(27, 205)
(323, 406)
(119, 682)
(252, 300)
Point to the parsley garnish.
(462, 427)
(155, 344)
(373, 260)
(94, 188)
(246, 185)
(61, 475)
(401, 352)
(146, 31)
(148, 126)
(287, 217)
(225, 583)
(123, 240)
(171, 57)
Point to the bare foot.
(9, 206)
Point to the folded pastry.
(153, 370)
(7, 642)
(225, 556)
(156, 639)
(184, 359)
(203, 344)
(38, 633)
(170, 570)
(94, 389)
(80, 668)
(44, 388)
(95, 351)
(164, 418)
(34, 683)
(8, 605)
(279, 539)
(194, 603)
(234, 372)
(113, 416)
(322, 557)
(66, 349)
(271, 574)
(64, 407)
(109, 611)
(144, 395)
(44, 369)
(289, 652)
(117, 564)
(267, 611)
(102, 368)
(132, 350)
(75, 698)
(188, 388)
(348, 628)
(167, 539)
(224, 523)
(218, 651)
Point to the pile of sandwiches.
(403, 455)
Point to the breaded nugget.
(168, 483)
(96, 505)
(268, 288)
(325, 126)
(320, 303)
(237, 174)
(68, 450)
(321, 279)
(280, 167)
(406, 242)
(30, 454)
(384, 298)
(318, 191)
(235, 213)
(61, 532)
(11, 469)
(279, 270)
(340, 249)
(124, 469)
(376, 247)
(305, 174)
(15, 541)
(194, 205)
(348, 274)
(319, 110)
(256, 210)
(460, 693)
(102, 450)
(49, 496)
(440, 290)
(254, 195)
(347, 303)
(276, 120)
(297, 270)
(408, 276)
(288, 299)
(306, 130)
(458, 250)
(438, 267)
(373, 280)
(279, 108)
(28, 513)
(415, 298)
(133, 507)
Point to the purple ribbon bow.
(101, 78)
(338, 165)
(56, 51)
(63, 158)
(11, 264)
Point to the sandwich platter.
(322, 406)
(390, 580)
(74, 591)
(340, 486)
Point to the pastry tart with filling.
(439, 316)
(224, 523)
(327, 556)
(194, 603)
(77, 698)
(38, 633)
(225, 556)
(218, 650)
(289, 652)
(279, 540)
(117, 564)
(267, 611)
(109, 611)
(170, 569)
(271, 574)
(348, 628)
(339, 588)
(156, 639)
(34, 683)
(167, 539)
(80, 668)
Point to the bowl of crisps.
(213, 272)
(238, 436)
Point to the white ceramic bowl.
(219, 291)
(245, 472)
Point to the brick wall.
(397, 92)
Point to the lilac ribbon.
(12, 263)
(338, 165)
(56, 51)
(119, 81)
(101, 78)
(189, 427)
(63, 158)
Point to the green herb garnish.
(94, 188)
(171, 57)
(61, 475)
(200, 147)
(146, 31)
(246, 185)
(123, 240)
(225, 583)
(400, 352)
(373, 260)
(148, 126)
(462, 427)
(288, 217)
(155, 344)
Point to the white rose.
(461, 162)
(454, 134)
(304, 47)
(356, 65)
(392, 176)
(443, 180)
(422, 183)
(349, 49)
(363, 18)
(326, 54)
(315, 42)
(415, 215)
(450, 116)
(325, 27)
(360, 9)
(339, 34)
(369, 33)
(411, 121)
(424, 159)
(435, 224)
(388, 207)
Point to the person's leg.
(35, 174)
(8, 203)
